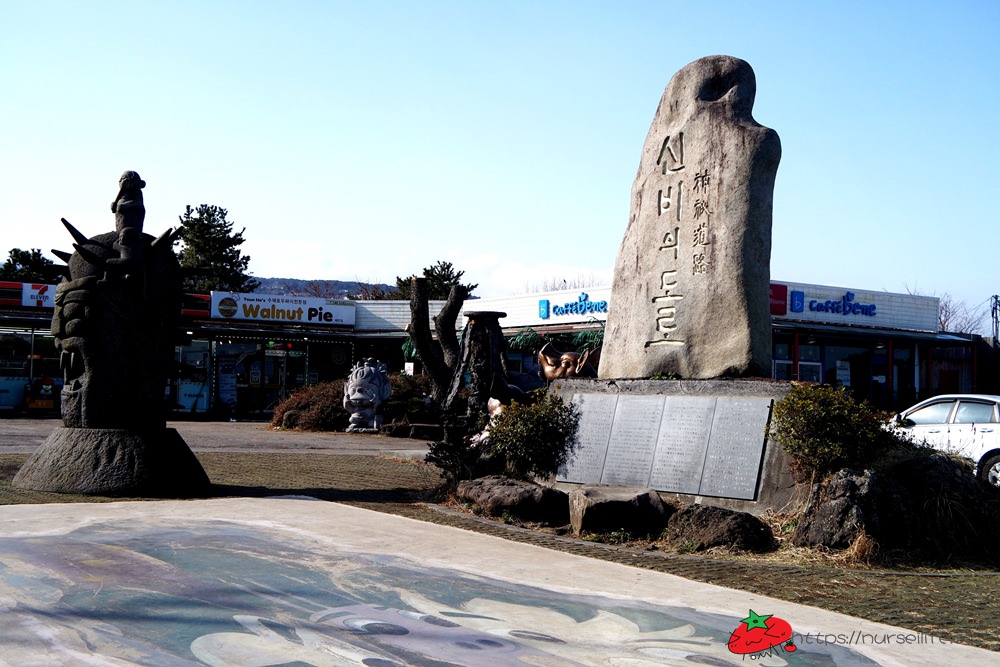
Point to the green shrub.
(534, 439)
(824, 429)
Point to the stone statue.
(557, 365)
(690, 290)
(366, 388)
(115, 323)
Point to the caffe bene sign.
(275, 308)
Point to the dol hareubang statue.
(115, 321)
(367, 387)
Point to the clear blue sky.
(367, 140)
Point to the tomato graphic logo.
(759, 632)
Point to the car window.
(971, 412)
(935, 413)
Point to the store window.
(190, 391)
(783, 370)
(810, 371)
(809, 352)
(846, 366)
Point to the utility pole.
(995, 314)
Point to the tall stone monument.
(115, 322)
(690, 292)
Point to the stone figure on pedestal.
(115, 323)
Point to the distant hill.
(332, 289)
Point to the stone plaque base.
(700, 439)
(115, 462)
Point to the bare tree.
(319, 289)
(556, 283)
(376, 292)
(955, 316)
(440, 357)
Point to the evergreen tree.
(27, 266)
(210, 252)
(440, 279)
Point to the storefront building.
(885, 347)
(239, 355)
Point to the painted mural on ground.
(229, 594)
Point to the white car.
(964, 424)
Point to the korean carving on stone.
(366, 388)
(115, 324)
(690, 291)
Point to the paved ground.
(246, 460)
(22, 436)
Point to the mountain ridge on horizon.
(330, 289)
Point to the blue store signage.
(846, 305)
(582, 306)
(798, 302)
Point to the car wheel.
(989, 470)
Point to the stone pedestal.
(482, 357)
(115, 462)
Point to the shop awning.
(940, 338)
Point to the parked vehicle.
(963, 424)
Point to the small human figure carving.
(128, 208)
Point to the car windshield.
(935, 413)
(971, 412)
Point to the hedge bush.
(321, 406)
(824, 429)
(535, 438)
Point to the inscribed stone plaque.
(682, 443)
(735, 448)
(597, 413)
(633, 440)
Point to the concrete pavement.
(255, 582)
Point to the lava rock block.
(959, 515)
(497, 495)
(704, 527)
(604, 509)
(851, 502)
